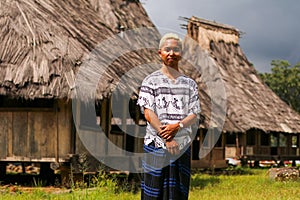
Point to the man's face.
(170, 53)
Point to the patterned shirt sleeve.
(146, 96)
(194, 103)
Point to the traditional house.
(43, 46)
(50, 49)
(258, 125)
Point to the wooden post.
(106, 115)
(56, 133)
(124, 122)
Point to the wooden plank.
(34, 126)
(217, 153)
(124, 122)
(208, 164)
(5, 125)
(117, 140)
(139, 141)
(19, 127)
(78, 143)
(41, 134)
(92, 144)
(49, 130)
(108, 110)
(9, 134)
(65, 122)
(89, 140)
(30, 159)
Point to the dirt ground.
(24, 189)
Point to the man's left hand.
(172, 147)
(169, 131)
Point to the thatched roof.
(250, 103)
(44, 43)
(120, 14)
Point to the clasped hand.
(168, 132)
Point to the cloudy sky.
(271, 27)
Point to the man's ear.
(159, 52)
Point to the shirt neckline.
(169, 79)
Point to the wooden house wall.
(36, 134)
(87, 136)
(215, 157)
(257, 145)
(120, 131)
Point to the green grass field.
(255, 185)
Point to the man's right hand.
(169, 131)
(172, 147)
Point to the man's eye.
(170, 49)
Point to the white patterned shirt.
(171, 101)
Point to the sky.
(271, 28)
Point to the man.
(170, 103)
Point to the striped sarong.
(165, 177)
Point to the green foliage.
(284, 80)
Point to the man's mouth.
(171, 59)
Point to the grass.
(254, 184)
(247, 187)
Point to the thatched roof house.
(253, 122)
(120, 14)
(43, 44)
(250, 103)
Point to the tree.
(284, 80)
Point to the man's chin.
(171, 63)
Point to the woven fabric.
(165, 177)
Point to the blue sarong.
(165, 177)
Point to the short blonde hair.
(169, 36)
